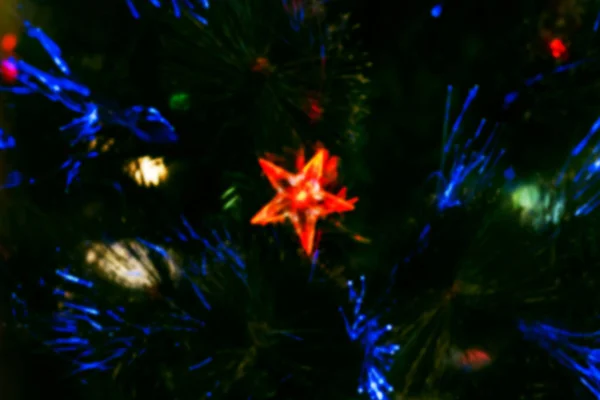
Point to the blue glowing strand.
(511, 97)
(79, 325)
(218, 249)
(378, 356)
(95, 338)
(77, 98)
(470, 170)
(6, 141)
(179, 8)
(568, 349)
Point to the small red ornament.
(557, 48)
(8, 71)
(301, 198)
(9, 42)
(472, 359)
(314, 109)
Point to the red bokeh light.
(557, 48)
(9, 42)
(314, 110)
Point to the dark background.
(496, 44)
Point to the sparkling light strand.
(378, 356)
(77, 98)
(178, 7)
(469, 170)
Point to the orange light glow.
(301, 198)
(262, 64)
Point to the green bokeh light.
(180, 101)
(539, 207)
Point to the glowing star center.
(306, 194)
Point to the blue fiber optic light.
(576, 351)
(95, 337)
(178, 7)
(298, 10)
(585, 183)
(63, 89)
(578, 181)
(465, 169)
(218, 249)
(511, 97)
(146, 123)
(99, 338)
(378, 355)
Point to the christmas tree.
(255, 199)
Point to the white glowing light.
(128, 264)
(147, 171)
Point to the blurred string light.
(97, 338)
(465, 169)
(61, 88)
(577, 351)
(128, 263)
(219, 251)
(511, 97)
(178, 7)
(96, 335)
(91, 331)
(580, 175)
(230, 198)
(378, 353)
(147, 171)
(436, 11)
(300, 11)
(6, 141)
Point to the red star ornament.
(301, 198)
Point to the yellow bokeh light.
(147, 171)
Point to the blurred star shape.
(301, 198)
